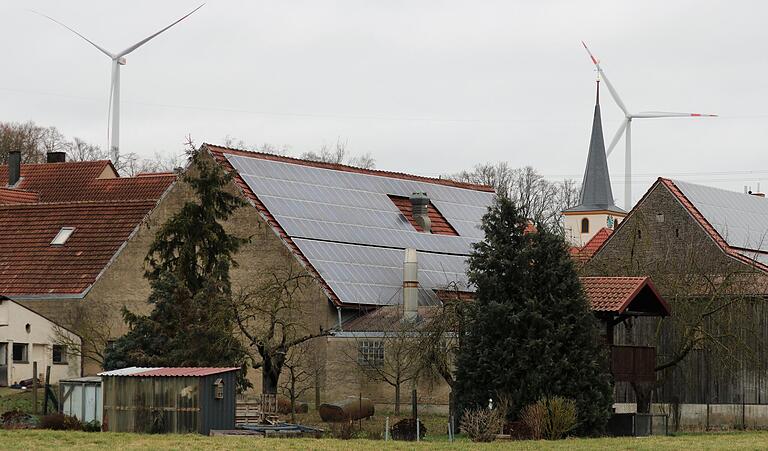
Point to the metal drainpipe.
(338, 310)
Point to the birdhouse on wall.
(218, 386)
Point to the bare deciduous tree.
(715, 300)
(298, 370)
(390, 353)
(338, 154)
(91, 322)
(538, 198)
(273, 319)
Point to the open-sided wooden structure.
(614, 300)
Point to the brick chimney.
(14, 167)
(56, 157)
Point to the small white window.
(59, 354)
(62, 236)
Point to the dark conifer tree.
(530, 332)
(188, 268)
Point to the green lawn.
(38, 439)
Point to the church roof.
(596, 194)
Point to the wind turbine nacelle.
(121, 61)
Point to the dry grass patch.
(38, 439)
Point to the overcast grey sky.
(427, 87)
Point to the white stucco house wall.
(27, 337)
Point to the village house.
(64, 253)
(706, 249)
(81, 234)
(26, 339)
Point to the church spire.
(596, 194)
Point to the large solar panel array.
(741, 219)
(352, 233)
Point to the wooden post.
(47, 387)
(34, 387)
(414, 407)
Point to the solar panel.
(741, 219)
(354, 235)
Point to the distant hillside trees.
(530, 333)
(188, 267)
(35, 141)
(537, 198)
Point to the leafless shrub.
(482, 425)
(550, 418)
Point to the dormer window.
(585, 225)
(62, 236)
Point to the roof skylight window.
(62, 236)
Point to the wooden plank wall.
(733, 375)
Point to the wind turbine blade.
(595, 61)
(613, 92)
(145, 40)
(103, 50)
(617, 136)
(611, 89)
(651, 114)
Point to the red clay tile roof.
(103, 211)
(79, 181)
(18, 196)
(615, 294)
(596, 242)
(30, 265)
(439, 224)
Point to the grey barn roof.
(351, 232)
(741, 219)
(596, 191)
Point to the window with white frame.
(62, 236)
(371, 353)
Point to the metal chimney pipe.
(420, 211)
(410, 285)
(14, 167)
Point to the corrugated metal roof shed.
(127, 371)
(168, 371)
(182, 371)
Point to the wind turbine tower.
(626, 128)
(118, 59)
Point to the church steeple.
(596, 209)
(596, 193)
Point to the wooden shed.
(169, 400)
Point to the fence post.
(34, 387)
(45, 391)
(418, 439)
(386, 430)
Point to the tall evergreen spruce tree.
(530, 333)
(188, 269)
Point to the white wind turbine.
(118, 59)
(626, 128)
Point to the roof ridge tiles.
(349, 168)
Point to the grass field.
(39, 439)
